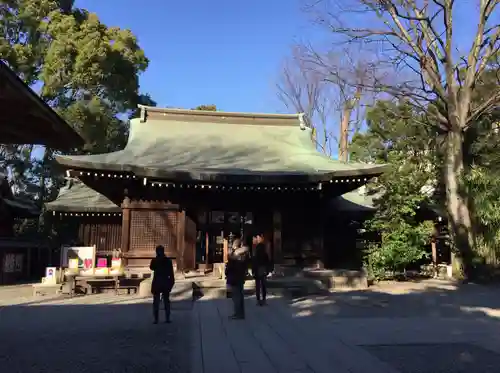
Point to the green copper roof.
(207, 145)
(77, 197)
(354, 201)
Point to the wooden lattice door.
(149, 228)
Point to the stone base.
(145, 287)
(219, 270)
(334, 279)
(45, 289)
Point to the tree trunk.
(41, 226)
(344, 125)
(457, 205)
(344, 133)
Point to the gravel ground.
(102, 333)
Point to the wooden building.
(16, 256)
(86, 218)
(24, 119)
(346, 237)
(191, 179)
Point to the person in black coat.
(260, 268)
(236, 273)
(163, 282)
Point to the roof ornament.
(302, 121)
(70, 181)
(143, 113)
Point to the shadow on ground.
(116, 335)
(426, 327)
(418, 327)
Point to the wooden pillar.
(320, 231)
(2, 274)
(181, 243)
(125, 244)
(277, 254)
(225, 249)
(28, 263)
(434, 258)
(321, 243)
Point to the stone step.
(283, 286)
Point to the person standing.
(163, 282)
(236, 273)
(260, 268)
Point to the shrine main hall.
(192, 180)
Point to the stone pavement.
(423, 329)
(271, 339)
(95, 333)
(428, 327)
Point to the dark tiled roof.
(27, 119)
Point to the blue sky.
(222, 52)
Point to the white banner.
(84, 254)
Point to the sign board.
(101, 271)
(116, 266)
(51, 275)
(116, 263)
(73, 263)
(84, 254)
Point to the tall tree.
(85, 70)
(419, 59)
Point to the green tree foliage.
(88, 72)
(484, 186)
(210, 107)
(395, 136)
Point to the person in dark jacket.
(260, 268)
(163, 282)
(236, 273)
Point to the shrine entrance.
(216, 231)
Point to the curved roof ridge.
(218, 113)
(220, 148)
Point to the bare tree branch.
(415, 38)
(303, 91)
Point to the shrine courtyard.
(424, 327)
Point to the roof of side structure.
(27, 119)
(77, 197)
(198, 145)
(20, 206)
(354, 201)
